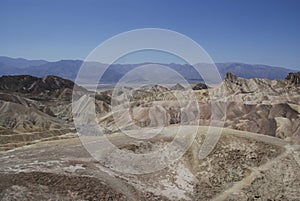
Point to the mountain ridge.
(68, 69)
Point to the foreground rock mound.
(243, 166)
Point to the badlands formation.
(257, 156)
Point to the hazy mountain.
(20, 62)
(254, 70)
(65, 68)
(69, 68)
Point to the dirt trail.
(248, 180)
(257, 171)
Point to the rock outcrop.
(177, 87)
(199, 86)
(293, 78)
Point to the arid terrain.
(257, 157)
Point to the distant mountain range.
(69, 68)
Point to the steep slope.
(34, 109)
(26, 119)
(21, 125)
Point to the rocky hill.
(34, 109)
(30, 84)
(269, 107)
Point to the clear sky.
(249, 31)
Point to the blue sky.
(249, 31)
